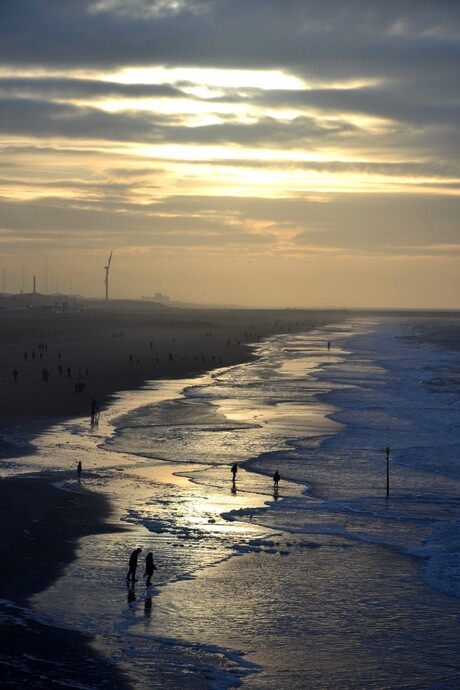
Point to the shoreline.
(117, 350)
(45, 524)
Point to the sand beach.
(40, 528)
(109, 349)
(327, 583)
(106, 350)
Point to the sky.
(263, 153)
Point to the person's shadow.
(275, 493)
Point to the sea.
(347, 576)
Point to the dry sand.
(107, 349)
(113, 349)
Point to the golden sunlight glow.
(260, 79)
(219, 153)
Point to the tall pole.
(388, 451)
(107, 268)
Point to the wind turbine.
(106, 281)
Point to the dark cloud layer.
(399, 61)
(329, 38)
(409, 48)
(53, 87)
(46, 119)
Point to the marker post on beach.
(388, 470)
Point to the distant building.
(158, 297)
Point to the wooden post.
(388, 471)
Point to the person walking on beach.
(79, 470)
(149, 568)
(234, 471)
(276, 479)
(15, 375)
(133, 565)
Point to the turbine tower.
(106, 281)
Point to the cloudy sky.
(254, 152)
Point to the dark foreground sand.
(107, 350)
(39, 531)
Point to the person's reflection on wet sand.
(148, 606)
(131, 596)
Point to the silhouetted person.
(329, 345)
(79, 470)
(15, 375)
(149, 568)
(133, 565)
(276, 479)
(234, 471)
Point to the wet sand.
(39, 534)
(107, 350)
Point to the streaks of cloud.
(228, 128)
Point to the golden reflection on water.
(167, 473)
(202, 505)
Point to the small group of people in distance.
(234, 471)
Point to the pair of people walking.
(276, 476)
(149, 567)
